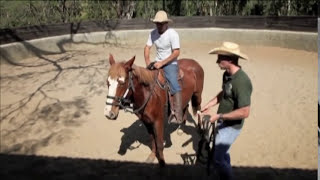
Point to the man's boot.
(177, 108)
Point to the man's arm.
(214, 101)
(237, 114)
(147, 54)
(173, 56)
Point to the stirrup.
(173, 118)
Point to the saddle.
(180, 75)
(162, 78)
(163, 83)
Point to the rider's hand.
(151, 66)
(158, 65)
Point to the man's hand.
(204, 109)
(147, 63)
(213, 116)
(151, 66)
(158, 65)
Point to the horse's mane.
(144, 75)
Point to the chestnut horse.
(128, 83)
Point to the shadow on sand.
(40, 167)
(136, 134)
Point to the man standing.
(234, 105)
(167, 45)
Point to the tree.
(26, 13)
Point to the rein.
(122, 101)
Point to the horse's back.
(192, 82)
(193, 73)
(191, 65)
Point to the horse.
(141, 87)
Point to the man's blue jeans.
(225, 137)
(171, 73)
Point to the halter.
(122, 101)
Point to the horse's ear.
(129, 63)
(111, 59)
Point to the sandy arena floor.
(53, 106)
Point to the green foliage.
(30, 12)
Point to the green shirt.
(236, 93)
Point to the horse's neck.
(138, 87)
(141, 90)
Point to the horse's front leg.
(158, 130)
(152, 155)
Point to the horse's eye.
(121, 83)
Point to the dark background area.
(297, 23)
(15, 167)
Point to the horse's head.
(118, 83)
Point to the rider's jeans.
(171, 73)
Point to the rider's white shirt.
(165, 43)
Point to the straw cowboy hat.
(229, 48)
(160, 17)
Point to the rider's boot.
(177, 108)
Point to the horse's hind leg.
(185, 114)
(158, 130)
(196, 105)
(152, 155)
(185, 118)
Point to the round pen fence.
(288, 32)
(53, 91)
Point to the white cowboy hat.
(229, 48)
(160, 17)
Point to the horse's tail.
(196, 98)
(194, 108)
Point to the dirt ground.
(52, 106)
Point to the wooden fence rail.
(290, 23)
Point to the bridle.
(125, 103)
(122, 101)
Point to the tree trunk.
(164, 5)
(289, 8)
(210, 8)
(130, 10)
(216, 7)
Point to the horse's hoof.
(162, 163)
(167, 144)
(151, 158)
(179, 131)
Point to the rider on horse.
(167, 44)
